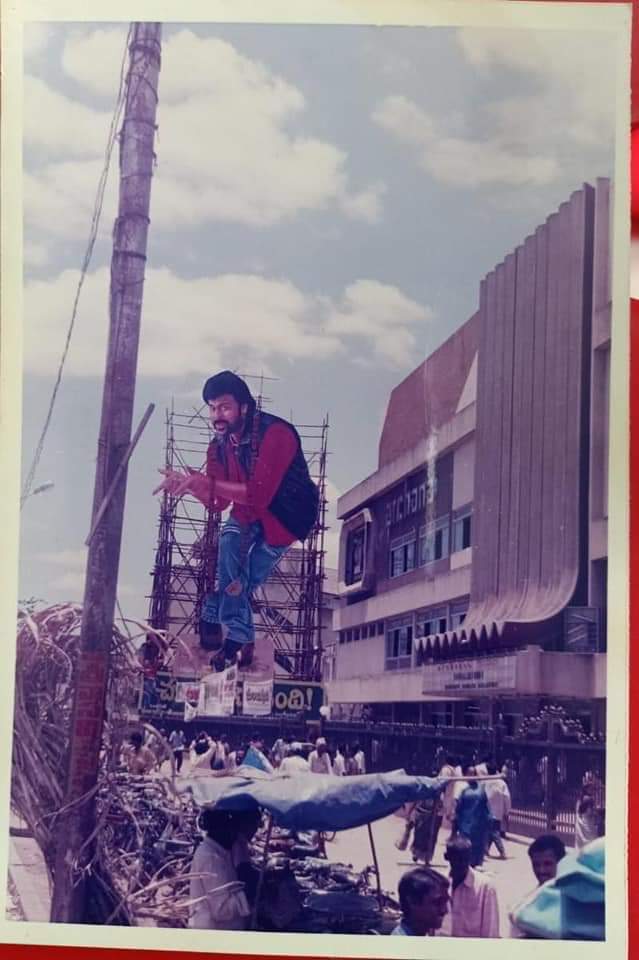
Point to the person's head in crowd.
(451, 760)
(297, 749)
(423, 898)
(136, 739)
(321, 746)
(491, 767)
(201, 746)
(458, 854)
(356, 748)
(227, 826)
(470, 773)
(341, 748)
(545, 853)
(257, 741)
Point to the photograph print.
(322, 329)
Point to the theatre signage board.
(497, 674)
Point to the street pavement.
(513, 877)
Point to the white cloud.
(560, 126)
(191, 326)
(35, 254)
(230, 145)
(460, 161)
(60, 126)
(381, 314)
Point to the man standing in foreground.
(423, 897)
(474, 910)
(256, 463)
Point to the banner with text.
(471, 676)
(217, 694)
(257, 698)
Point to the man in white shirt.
(498, 796)
(449, 798)
(294, 763)
(220, 901)
(339, 763)
(360, 759)
(319, 759)
(474, 909)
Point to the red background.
(30, 952)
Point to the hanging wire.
(93, 232)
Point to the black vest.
(296, 501)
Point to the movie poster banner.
(217, 694)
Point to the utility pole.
(75, 825)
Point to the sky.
(325, 203)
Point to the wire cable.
(93, 232)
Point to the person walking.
(474, 906)
(472, 817)
(498, 796)
(586, 819)
(177, 742)
(339, 761)
(427, 819)
(319, 759)
(256, 463)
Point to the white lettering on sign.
(406, 504)
(470, 675)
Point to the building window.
(356, 633)
(364, 632)
(402, 555)
(458, 611)
(399, 645)
(434, 541)
(380, 628)
(342, 636)
(430, 622)
(355, 556)
(462, 527)
(349, 636)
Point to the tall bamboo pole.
(75, 827)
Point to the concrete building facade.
(473, 562)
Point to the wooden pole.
(375, 865)
(70, 902)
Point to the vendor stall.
(303, 892)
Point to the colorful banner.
(257, 698)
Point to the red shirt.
(276, 453)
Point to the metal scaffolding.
(287, 608)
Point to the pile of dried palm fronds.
(144, 835)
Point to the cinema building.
(473, 561)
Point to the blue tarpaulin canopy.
(314, 801)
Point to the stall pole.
(375, 864)
(260, 882)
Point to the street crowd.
(473, 807)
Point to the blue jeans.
(235, 612)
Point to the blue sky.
(325, 204)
